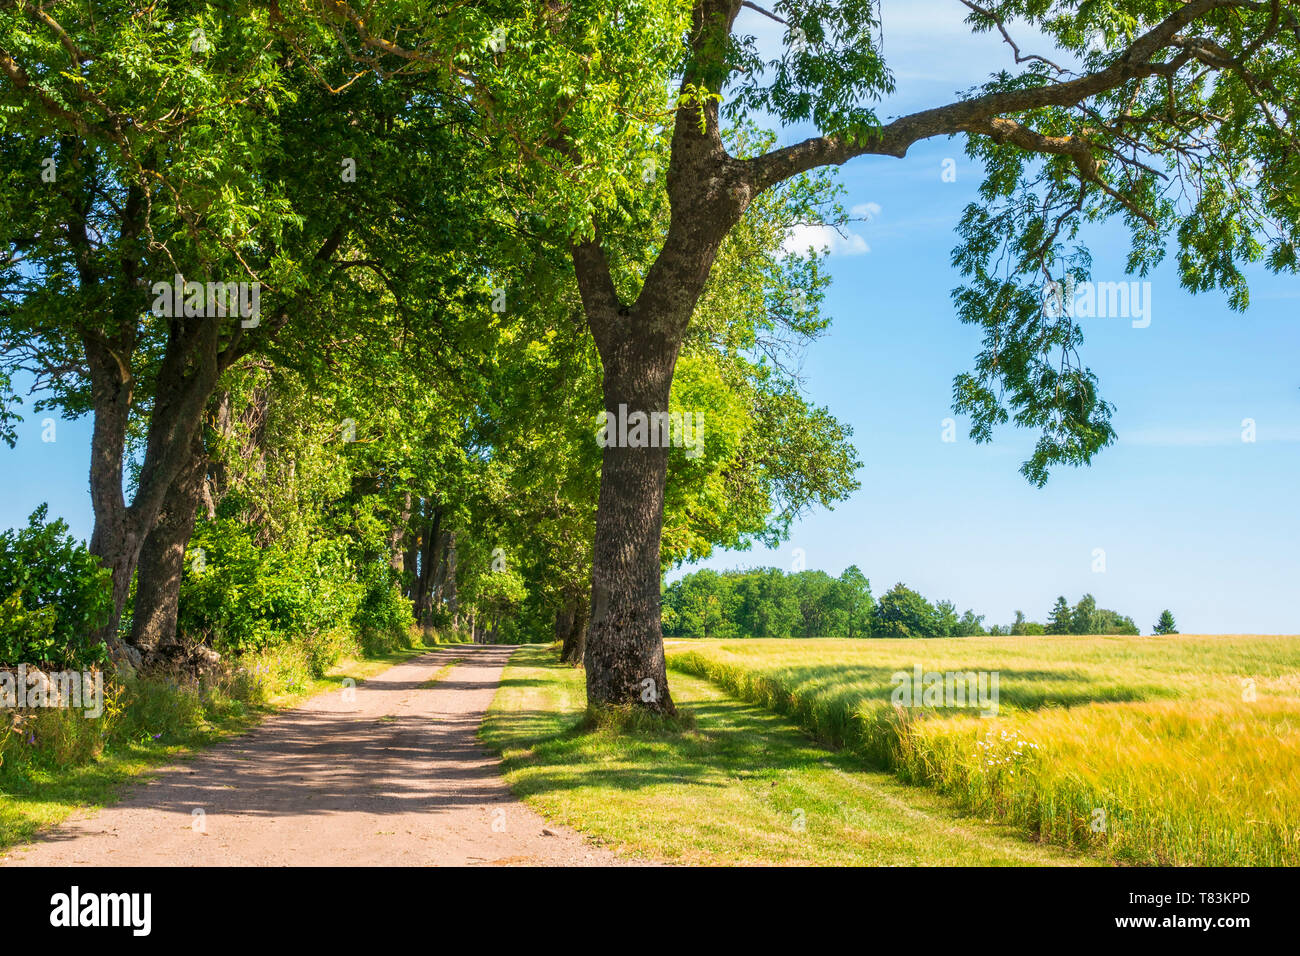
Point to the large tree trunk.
(442, 550)
(564, 622)
(428, 566)
(574, 638)
(420, 564)
(162, 559)
(449, 594)
(216, 482)
(411, 564)
(396, 536)
(624, 656)
(114, 539)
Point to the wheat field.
(1180, 750)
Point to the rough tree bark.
(449, 594)
(396, 536)
(428, 566)
(579, 643)
(162, 560)
(624, 654)
(114, 539)
(419, 564)
(571, 629)
(411, 562)
(564, 616)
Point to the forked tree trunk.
(624, 656)
(708, 192)
(187, 376)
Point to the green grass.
(741, 786)
(1158, 734)
(78, 763)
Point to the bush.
(53, 596)
(242, 597)
(384, 618)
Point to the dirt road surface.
(391, 774)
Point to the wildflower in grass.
(1005, 750)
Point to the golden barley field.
(1181, 750)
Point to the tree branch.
(600, 300)
(894, 139)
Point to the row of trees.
(450, 210)
(406, 431)
(1084, 618)
(767, 602)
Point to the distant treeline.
(768, 602)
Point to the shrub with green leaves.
(53, 596)
(383, 613)
(241, 596)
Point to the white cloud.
(865, 210)
(824, 237)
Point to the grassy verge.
(742, 786)
(55, 761)
(1182, 750)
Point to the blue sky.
(1188, 515)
